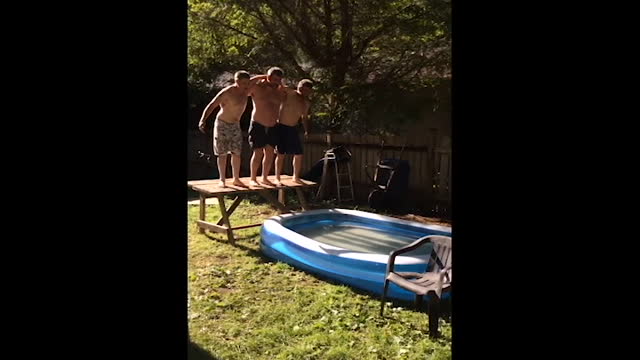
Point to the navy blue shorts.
(261, 136)
(288, 140)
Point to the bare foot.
(278, 182)
(297, 180)
(222, 184)
(253, 183)
(267, 182)
(239, 183)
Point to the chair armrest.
(414, 245)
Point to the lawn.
(245, 306)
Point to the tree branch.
(308, 43)
(346, 31)
(328, 36)
(389, 21)
(234, 29)
(273, 40)
(312, 9)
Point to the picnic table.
(210, 188)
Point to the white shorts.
(227, 138)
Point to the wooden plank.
(209, 226)
(372, 145)
(245, 226)
(231, 188)
(426, 182)
(225, 218)
(222, 229)
(356, 159)
(232, 208)
(211, 188)
(449, 178)
(413, 162)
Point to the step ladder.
(343, 171)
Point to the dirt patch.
(206, 261)
(221, 260)
(424, 219)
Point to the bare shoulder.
(262, 83)
(288, 90)
(228, 89)
(225, 92)
(259, 86)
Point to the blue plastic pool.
(349, 246)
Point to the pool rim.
(274, 225)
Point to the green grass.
(245, 306)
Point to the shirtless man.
(295, 107)
(267, 96)
(227, 137)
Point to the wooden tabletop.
(211, 187)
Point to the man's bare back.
(267, 99)
(293, 108)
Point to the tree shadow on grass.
(251, 252)
(195, 352)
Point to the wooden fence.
(428, 154)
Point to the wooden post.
(337, 165)
(225, 218)
(282, 197)
(203, 205)
(232, 208)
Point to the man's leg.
(279, 167)
(266, 164)
(235, 164)
(222, 169)
(256, 158)
(297, 167)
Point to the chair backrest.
(441, 254)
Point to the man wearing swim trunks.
(227, 137)
(294, 108)
(267, 96)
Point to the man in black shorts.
(267, 96)
(294, 108)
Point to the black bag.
(314, 174)
(391, 184)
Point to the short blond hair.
(275, 71)
(241, 75)
(305, 82)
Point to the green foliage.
(358, 52)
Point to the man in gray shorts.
(227, 137)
